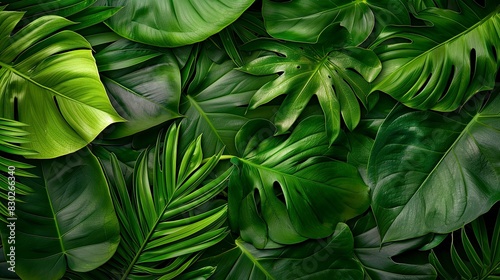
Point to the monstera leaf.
(331, 258)
(160, 234)
(49, 81)
(338, 79)
(432, 172)
(66, 221)
(184, 22)
(215, 104)
(283, 190)
(306, 20)
(443, 66)
(377, 259)
(474, 252)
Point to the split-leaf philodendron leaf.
(443, 66)
(338, 78)
(49, 81)
(434, 173)
(283, 190)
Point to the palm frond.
(161, 236)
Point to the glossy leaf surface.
(283, 190)
(183, 22)
(49, 81)
(337, 78)
(434, 173)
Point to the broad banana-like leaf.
(283, 190)
(183, 22)
(443, 66)
(338, 79)
(144, 85)
(66, 221)
(160, 238)
(432, 172)
(330, 258)
(306, 20)
(377, 259)
(215, 104)
(49, 81)
(474, 251)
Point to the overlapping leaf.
(66, 221)
(49, 81)
(144, 85)
(331, 258)
(433, 172)
(443, 66)
(306, 20)
(215, 104)
(337, 78)
(182, 22)
(283, 190)
(159, 238)
(377, 259)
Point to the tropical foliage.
(243, 139)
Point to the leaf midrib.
(202, 113)
(438, 164)
(29, 79)
(252, 259)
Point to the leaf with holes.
(432, 172)
(283, 190)
(338, 79)
(306, 20)
(49, 81)
(443, 66)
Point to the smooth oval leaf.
(50, 82)
(434, 173)
(183, 22)
(66, 221)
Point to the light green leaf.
(434, 173)
(182, 22)
(338, 79)
(443, 66)
(49, 81)
(66, 221)
(283, 190)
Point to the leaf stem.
(222, 157)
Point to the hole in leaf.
(16, 109)
(329, 77)
(472, 59)
(280, 73)
(448, 83)
(280, 54)
(278, 192)
(494, 53)
(256, 197)
(424, 85)
(298, 66)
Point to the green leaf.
(161, 230)
(49, 81)
(331, 258)
(475, 255)
(443, 66)
(67, 221)
(306, 20)
(435, 172)
(144, 85)
(284, 191)
(377, 259)
(183, 22)
(36, 9)
(337, 78)
(215, 104)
